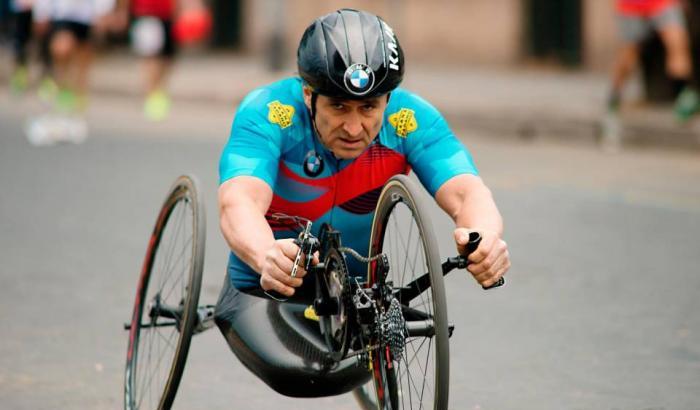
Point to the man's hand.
(489, 261)
(277, 268)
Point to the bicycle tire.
(182, 210)
(401, 198)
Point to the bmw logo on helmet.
(359, 79)
(313, 164)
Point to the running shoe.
(687, 104)
(66, 101)
(44, 130)
(19, 81)
(47, 90)
(51, 129)
(611, 133)
(156, 107)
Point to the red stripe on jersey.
(367, 172)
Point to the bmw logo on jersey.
(313, 164)
(359, 79)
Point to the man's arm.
(243, 202)
(470, 204)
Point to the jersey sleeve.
(433, 151)
(254, 145)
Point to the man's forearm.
(479, 211)
(247, 233)
(470, 204)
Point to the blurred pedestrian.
(69, 25)
(4, 19)
(156, 29)
(637, 19)
(21, 29)
(21, 37)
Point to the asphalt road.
(600, 310)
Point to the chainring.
(335, 327)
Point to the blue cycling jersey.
(272, 138)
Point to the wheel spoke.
(172, 238)
(408, 375)
(169, 273)
(157, 366)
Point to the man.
(21, 33)
(300, 144)
(69, 25)
(637, 19)
(152, 39)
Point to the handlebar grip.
(500, 282)
(474, 241)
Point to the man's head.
(350, 61)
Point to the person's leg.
(48, 89)
(670, 24)
(62, 46)
(83, 63)
(625, 63)
(632, 31)
(21, 35)
(157, 68)
(71, 55)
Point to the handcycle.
(385, 337)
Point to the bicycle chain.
(359, 257)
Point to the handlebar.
(474, 241)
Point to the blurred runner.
(22, 33)
(157, 28)
(69, 25)
(637, 19)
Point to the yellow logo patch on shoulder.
(404, 121)
(280, 114)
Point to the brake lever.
(474, 241)
(305, 248)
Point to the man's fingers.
(489, 263)
(289, 248)
(284, 276)
(461, 236)
(481, 253)
(269, 283)
(497, 272)
(489, 270)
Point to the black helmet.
(350, 54)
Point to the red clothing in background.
(164, 9)
(642, 8)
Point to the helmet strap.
(314, 98)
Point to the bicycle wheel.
(165, 309)
(419, 377)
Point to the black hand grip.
(474, 241)
(500, 282)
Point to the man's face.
(347, 127)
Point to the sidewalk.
(515, 103)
